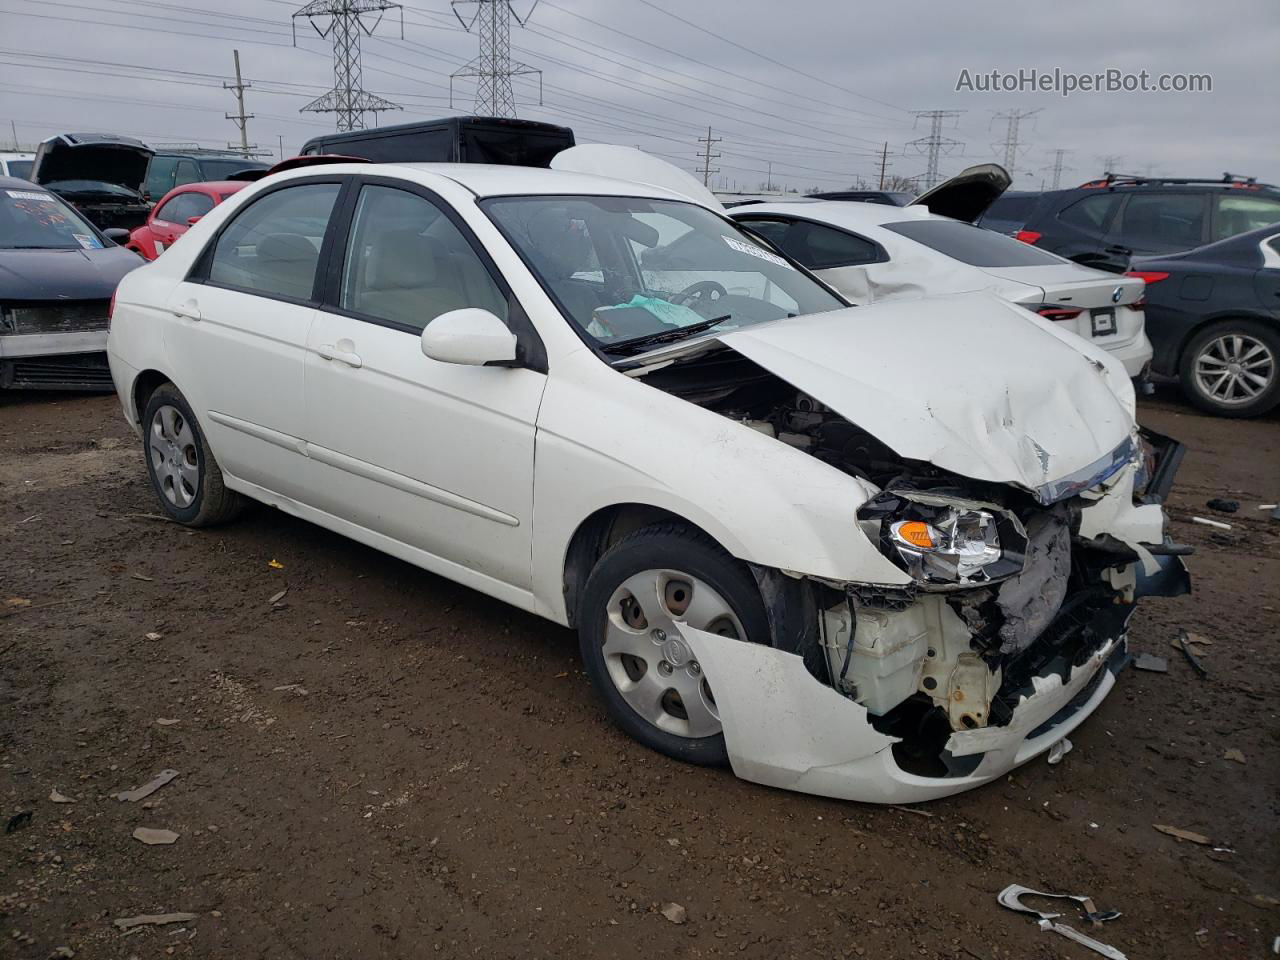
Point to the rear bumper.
(1135, 355)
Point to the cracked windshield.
(633, 274)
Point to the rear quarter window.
(1092, 214)
(972, 245)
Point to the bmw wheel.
(1232, 368)
(183, 471)
(653, 686)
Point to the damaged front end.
(1005, 631)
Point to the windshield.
(37, 220)
(20, 169)
(631, 273)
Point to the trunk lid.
(967, 195)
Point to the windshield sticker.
(87, 241)
(752, 250)
(30, 195)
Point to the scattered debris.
(1223, 505)
(276, 565)
(675, 913)
(154, 919)
(297, 688)
(1185, 646)
(166, 721)
(17, 602)
(1269, 506)
(1150, 662)
(276, 598)
(1275, 513)
(1203, 521)
(62, 953)
(147, 789)
(1059, 750)
(1234, 754)
(918, 813)
(1183, 834)
(143, 577)
(18, 821)
(56, 797)
(1262, 900)
(1009, 897)
(154, 636)
(154, 837)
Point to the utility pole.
(347, 98)
(241, 118)
(13, 126)
(1110, 161)
(1012, 119)
(768, 187)
(493, 69)
(707, 156)
(935, 144)
(1058, 166)
(280, 137)
(884, 162)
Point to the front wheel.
(652, 685)
(184, 474)
(1232, 368)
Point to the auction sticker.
(752, 250)
(87, 241)
(30, 195)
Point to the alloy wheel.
(1234, 369)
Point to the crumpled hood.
(968, 382)
(64, 274)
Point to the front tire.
(652, 686)
(1232, 368)
(184, 474)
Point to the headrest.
(402, 260)
(287, 247)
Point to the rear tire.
(1232, 368)
(652, 686)
(184, 474)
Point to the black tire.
(675, 547)
(1257, 331)
(212, 502)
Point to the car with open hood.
(873, 253)
(100, 174)
(853, 551)
(57, 276)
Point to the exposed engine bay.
(1004, 590)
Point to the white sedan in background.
(873, 252)
(859, 552)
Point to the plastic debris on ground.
(1222, 505)
(1180, 834)
(1150, 662)
(154, 920)
(1059, 750)
(1205, 522)
(1011, 895)
(154, 837)
(147, 789)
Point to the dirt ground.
(443, 783)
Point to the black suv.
(1105, 222)
(172, 167)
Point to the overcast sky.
(815, 87)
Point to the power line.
(935, 144)
(347, 98)
(707, 156)
(493, 69)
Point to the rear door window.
(1158, 220)
(272, 246)
(185, 206)
(816, 245)
(1092, 214)
(973, 245)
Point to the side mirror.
(117, 235)
(192, 221)
(469, 336)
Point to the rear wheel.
(1232, 368)
(653, 686)
(183, 471)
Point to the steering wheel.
(699, 292)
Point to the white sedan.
(857, 552)
(873, 252)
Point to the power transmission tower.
(707, 156)
(347, 98)
(884, 163)
(241, 118)
(935, 144)
(1059, 166)
(494, 68)
(1110, 161)
(1010, 143)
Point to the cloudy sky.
(813, 88)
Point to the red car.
(177, 210)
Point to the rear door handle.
(190, 310)
(330, 352)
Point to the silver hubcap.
(1234, 369)
(650, 664)
(172, 443)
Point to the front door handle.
(190, 310)
(330, 352)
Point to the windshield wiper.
(632, 346)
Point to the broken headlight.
(945, 541)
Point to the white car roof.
(495, 180)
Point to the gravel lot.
(384, 764)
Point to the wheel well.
(143, 387)
(598, 533)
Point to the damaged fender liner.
(784, 728)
